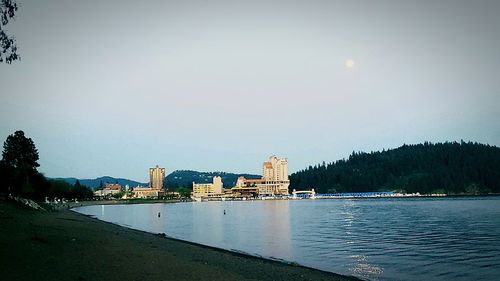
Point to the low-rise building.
(113, 186)
(208, 189)
(108, 190)
(147, 192)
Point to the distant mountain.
(185, 178)
(94, 183)
(176, 179)
(450, 167)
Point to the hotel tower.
(156, 177)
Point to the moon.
(349, 63)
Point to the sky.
(116, 87)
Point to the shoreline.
(212, 248)
(66, 245)
(71, 204)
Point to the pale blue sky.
(116, 87)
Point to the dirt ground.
(64, 245)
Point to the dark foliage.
(184, 192)
(18, 171)
(20, 152)
(62, 189)
(451, 167)
(8, 47)
(18, 164)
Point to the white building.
(147, 192)
(208, 189)
(274, 179)
(108, 190)
(105, 192)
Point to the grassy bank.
(64, 245)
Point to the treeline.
(19, 175)
(36, 186)
(450, 167)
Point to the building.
(147, 192)
(108, 190)
(156, 177)
(275, 169)
(155, 189)
(113, 186)
(275, 174)
(208, 189)
(274, 179)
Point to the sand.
(64, 245)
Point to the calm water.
(380, 239)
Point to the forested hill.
(451, 167)
(185, 178)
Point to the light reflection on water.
(382, 239)
(360, 264)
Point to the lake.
(375, 239)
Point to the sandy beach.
(64, 245)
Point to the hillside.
(451, 167)
(185, 178)
(94, 183)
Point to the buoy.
(159, 214)
(224, 212)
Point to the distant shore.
(65, 245)
(72, 204)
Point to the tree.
(8, 47)
(184, 192)
(20, 152)
(80, 191)
(19, 162)
(118, 195)
(450, 167)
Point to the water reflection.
(382, 239)
(360, 265)
(259, 228)
(277, 229)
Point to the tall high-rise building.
(275, 174)
(156, 177)
(275, 169)
(274, 179)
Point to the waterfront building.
(155, 189)
(108, 190)
(156, 177)
(274, 179)
(147, 192)
(208, 189)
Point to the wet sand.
(64, 245)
